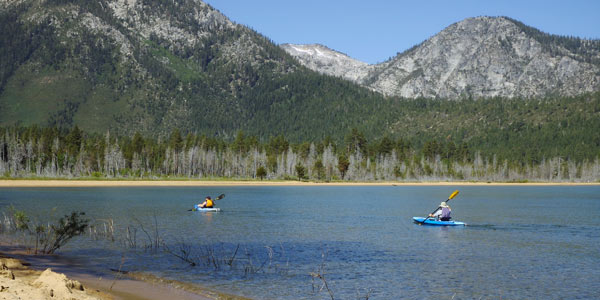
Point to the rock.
(11, 263)
(74, 284)
(330, 62)
(7, 274)
(476, 57)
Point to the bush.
(300, 171)
(319, 169)
(261, 172)
(50, 238)
(21, 220)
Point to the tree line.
(52, 152)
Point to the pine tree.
(343, 165)
(261, 172)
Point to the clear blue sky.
(374, 30)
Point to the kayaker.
(442, 213)
(208, 203)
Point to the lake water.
(521, 242)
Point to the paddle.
(218, 198)
(449, 198)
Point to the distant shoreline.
(200, 183)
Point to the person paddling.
(442, 213)
(208, 203)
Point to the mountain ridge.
(483, 57)
(154, 66)
(330, 62)
(157, 66)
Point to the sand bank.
(24, 276)
(200, 183)
(18, 281)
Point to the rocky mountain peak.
(161, 64)
(483, 57)
(327, 61)
(181, 23)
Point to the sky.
(375, 30)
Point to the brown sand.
(30, 282)
(18, 281)
(131, 289)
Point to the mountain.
(478, 57)
(153, 66)
(330, 62)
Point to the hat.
(208, 197)
(443, 204)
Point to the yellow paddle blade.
(453, 195)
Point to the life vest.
(209, 203)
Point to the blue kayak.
(202, 209)
(433, 222)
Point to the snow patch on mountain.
(476, 57)
(330, 62)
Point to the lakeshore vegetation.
(51, 152)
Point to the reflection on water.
(520, 243)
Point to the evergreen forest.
(51, 152)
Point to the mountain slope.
(152, 66)
(330, 62)
(155, 66)
(485, 57)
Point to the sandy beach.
(26, 276)
(200, 183)
(19, 281)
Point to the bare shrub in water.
(183, 253)
(366, 296)
(154, 241)
(131, 237)
(53, 236)
(47, 238)
(320, 275)
(16, 220)
(127, 237)
(103, 229)
(219, 258)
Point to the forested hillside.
(556, 139)
(159, 65)
(523, 130)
